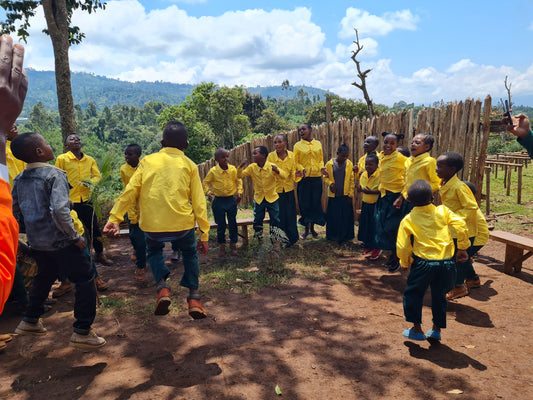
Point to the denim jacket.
(40, 204)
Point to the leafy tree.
(226, 112)
(58, 15)
(253, 107)
(340, 108)
(269, 122)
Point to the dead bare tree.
(362, 75)
(508, 89)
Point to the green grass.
(522, 217)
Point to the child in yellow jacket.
(425, 244)
(168, 190)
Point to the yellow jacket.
(457, 197)
(371, 183)
(224, 182)
(425, 233)
(264, 180)
(392, 173)
(290, 167)
(482, 234)
(421, 167)
(309, 156)
(168, 190)
(126, 172)
(349, 182)
(78, 225)
(77, 172)
(14, 165)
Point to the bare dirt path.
(314, 338)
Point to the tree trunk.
(55, 12)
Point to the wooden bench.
(243, 223)
(515, 246)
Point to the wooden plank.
(510, 238)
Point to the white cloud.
(257, 47)
(373, 25)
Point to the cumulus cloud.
(257, 47)
(373, 25)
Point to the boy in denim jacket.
(41, 205)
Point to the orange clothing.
(9, 235)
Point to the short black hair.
(453, 160)
(175, 134)
(428, 139)
(69, 135)
(262, 150)
(372, 157)
(284, 137)
(23, 146)
(373, 139)
(219, 152)
(343, 149)
(135, 148)
(420, 193)
(471, 186)
(403, 150)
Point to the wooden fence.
(456, 127)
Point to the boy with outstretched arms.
(168, 190)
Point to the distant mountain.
(104, 91)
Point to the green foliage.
(340, 108)
(18, 14)
(269, 122)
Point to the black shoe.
(394, 266)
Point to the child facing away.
(286, 161)
(222, 182)
(263, 174)
(41, 205)
(168, 190)
(425, 243)
(369, 186)
(457, 197)
(132, 155)
(339, 178)
(391, 184)
(419, 166)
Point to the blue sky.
(420, 51)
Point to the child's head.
(305, 131)
(403, 150)
(390, 142)
(371, 163)
(370, 144)
(73, 142)
(260, 155)
(420, 193)
(132, 153)
(280, 142)
(342, 153)
(421, 143)
(448, 164)
(31, 147)
(471, 186)
(175, 135)
(222, 158)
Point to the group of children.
(164, 199)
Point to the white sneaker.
(90, 341)
(27, 328)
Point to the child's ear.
(186, 145)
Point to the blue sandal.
(410, 334)
(435, 335)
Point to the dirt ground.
(313, 338)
